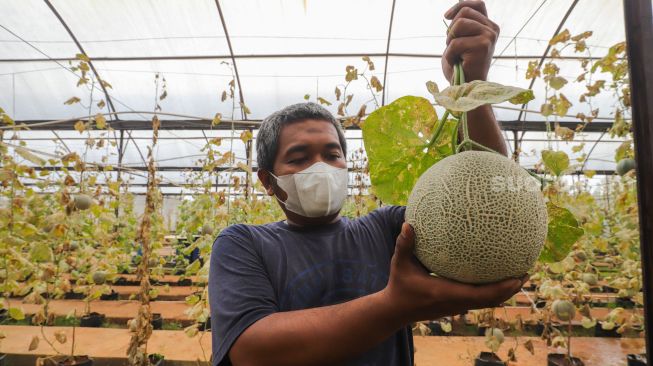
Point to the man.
(320, 289)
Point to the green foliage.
(562, 233)
(555, 162)
(397, 142)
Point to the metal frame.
(548, 48)
(639, 36)
(285, 55)
(205, 124)
(233, 59)
(387, 52)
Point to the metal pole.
(639, 36)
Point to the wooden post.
(639, 36)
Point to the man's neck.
(296, 224)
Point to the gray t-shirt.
(259, 270)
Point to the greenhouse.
(389, 182)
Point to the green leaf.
(396, 140)
(563, 231)
(40, 252)
(469, 96)
(16, 313)
(555, 162)
(557, 82)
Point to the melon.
(625, 165)
(207, 229)
(564, 310)
(99, 277)
(82, 201)
(590, 279)
(478, 218)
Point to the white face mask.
(317, 191)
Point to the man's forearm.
(483, 128)
(319, 336)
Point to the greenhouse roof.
(277, 53)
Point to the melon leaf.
(563, 231)
(469, 96)
(555, 162)
(396, 140)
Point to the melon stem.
(438, 130)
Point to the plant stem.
(439, 129)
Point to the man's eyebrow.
(333, 145)
(296, 148)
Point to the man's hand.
(416, 295)
(471, 39)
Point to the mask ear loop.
(274, 194)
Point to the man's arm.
(332, 334)
(471, 40)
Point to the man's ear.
(266, 179)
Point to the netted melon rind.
(478, 218)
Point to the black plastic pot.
(3, 314)
(67, 361)
(530, 287)
(636, 360)
(609, 289)
(157, 321)
(205, 326)
(156, 359)
(559, 359)
(120, 281)
(73, 296)
(480, 331)
(600, 332)
(185, 282)
(436, 329)
(488, 359)
(110, 296)
(540, 304)
(3, 358)
(91, 320)
(624, 302)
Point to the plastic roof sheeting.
(284, 50)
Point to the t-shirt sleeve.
(388, 219)
(392, 217)
(240, 291)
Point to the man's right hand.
(415, 295)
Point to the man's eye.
(296, 161)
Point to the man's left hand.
(471, 39)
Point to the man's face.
(302, 144)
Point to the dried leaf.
(34, 343)
(376, 84)
(100, 121)
(561, 37)
(246, 136)
(307, 96)
(82, 57)
(323, 101)
(224, 96)
(60, 336)
(338, 93)
(529, 346)
(72, 100)
(80, 126)
(216, 119)
(27, 155)
(352, 73)
(101, 104)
